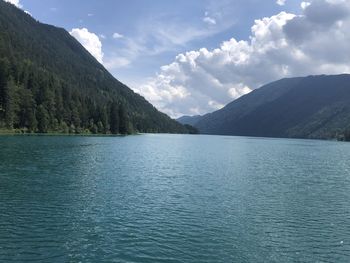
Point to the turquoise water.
(173, 198)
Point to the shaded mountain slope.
(309, 107)
(49, 82)
(190, 120)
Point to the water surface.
(173, 198)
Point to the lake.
(173, 198)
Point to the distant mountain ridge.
(50, 83)
(190, 120)
(303, 107)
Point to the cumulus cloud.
(18, 5)
(281, 2)
(15, 2)
(283, 45)
(90, 41)
(303, 5)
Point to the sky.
(190, 57)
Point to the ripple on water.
(173, 198)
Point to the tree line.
(35, 101)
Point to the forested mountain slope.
(50, 83)
(309, 107)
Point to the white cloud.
(304, 4)
(209, 20)
(15, 2)
(283, 45)
(281, 2)
(117, 36)
(18, 5)
(90, 41)
(154, 36)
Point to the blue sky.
(139, 20)
(185, 56)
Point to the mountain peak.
(50, 82)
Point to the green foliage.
(347, 136)
(43, 119)
(10, 102)
(114, 117)
(50, 83)
(191, 129)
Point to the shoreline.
(4, 132)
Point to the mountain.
(305, 107)
(190, 120)
(50, 83)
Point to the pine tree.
(114, 118)
(11, 104)
(3, 85)
(123, 120)
(43, 119)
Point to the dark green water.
(173, 198)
